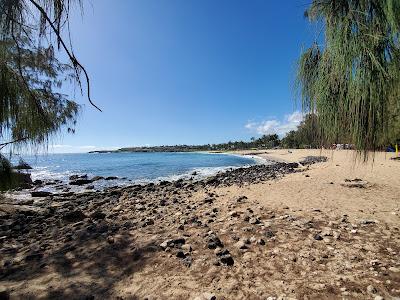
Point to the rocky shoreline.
(88, 243)
(82, 182)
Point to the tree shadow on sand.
(88, 265)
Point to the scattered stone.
(214, 242)
(80, 181)
(234, 214)
(40, 194)
(98, 215)
(254, 221)
(180, 254)
(225, 257)
(241, 199)
(148, 222)
(34, 256)
(310, 160)
(371, 289)
(367, 222)
(173, 243)
(187, 261)
(96, 178)
(261, 242)
(74, 216)
(317, 237)
(209, 200)
(269, 234)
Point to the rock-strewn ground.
(187, 240)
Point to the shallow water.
(133, 167)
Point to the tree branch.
(2, 145)
(71, 56)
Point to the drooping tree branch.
(2, 145)
(77, 65)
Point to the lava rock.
(40, 194)
(80, 181)
(74, 216)
(318, 237)
(269, 234)
(214, 242)
(98, 215)
(225, 257)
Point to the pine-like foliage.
(32, 109)
(352, 81)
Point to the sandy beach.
(323, 186)
(327, 230)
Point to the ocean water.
(133, 167)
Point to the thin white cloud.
(61, 146)
(274, 126)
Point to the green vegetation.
(305, 136)
(352, 81)
(32, 110)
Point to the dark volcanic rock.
(97, 215)
(40, 194)
(187, 261)
(251, 175)
(74, 216)
(75, 177)
(80, 182)
(95, 178)
(34, 255)
(180, 254)
(4, 295)
(309, 160)
(214, 242)
(173, 243)
(22, 166)
(317, 237)
(225, 258)
(269, 234)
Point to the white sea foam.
(197, 173)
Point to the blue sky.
(186, 71)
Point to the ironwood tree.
(352, 79)
(32, 108)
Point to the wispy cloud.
(272, 126)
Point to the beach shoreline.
(281, 230)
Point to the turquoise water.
(133, 167)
